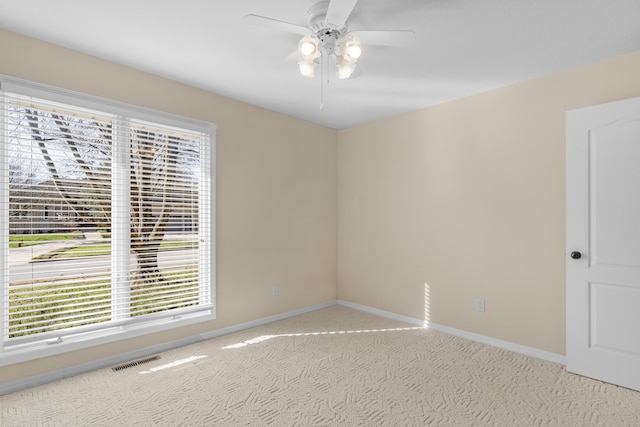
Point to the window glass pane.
(165, 168)
(59, 213)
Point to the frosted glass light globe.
(307, 48)
(354, 51)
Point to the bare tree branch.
(77, 207)
(154, 182)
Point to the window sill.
(18, 353)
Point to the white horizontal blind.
(105, 221)
(165, 172)
(59, 217)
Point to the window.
(106, 221)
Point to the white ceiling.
(462, 47)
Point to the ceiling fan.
(327, 35)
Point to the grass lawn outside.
(44, 306)
(101, 249)
(22, 240)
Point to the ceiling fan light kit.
(310, 50)
(326, 36)
(308, 54)
(348, 53)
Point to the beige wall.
(276, 192)
(466, 200)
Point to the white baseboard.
(505, 345)
(382, 313)
(39, 379)
(264, 321)
(58, 374)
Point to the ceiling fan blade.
(292, 58)
(339, 11)
(385, 37)
(276, 24)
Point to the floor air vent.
(134, 363)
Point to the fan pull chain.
(324, 71)
(322, 65)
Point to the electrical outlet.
(275, 290)
(480, 305)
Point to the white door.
(603, 242)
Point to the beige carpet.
(332, 367)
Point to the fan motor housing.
(327, 33)
(316, 17)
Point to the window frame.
(10, 354)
